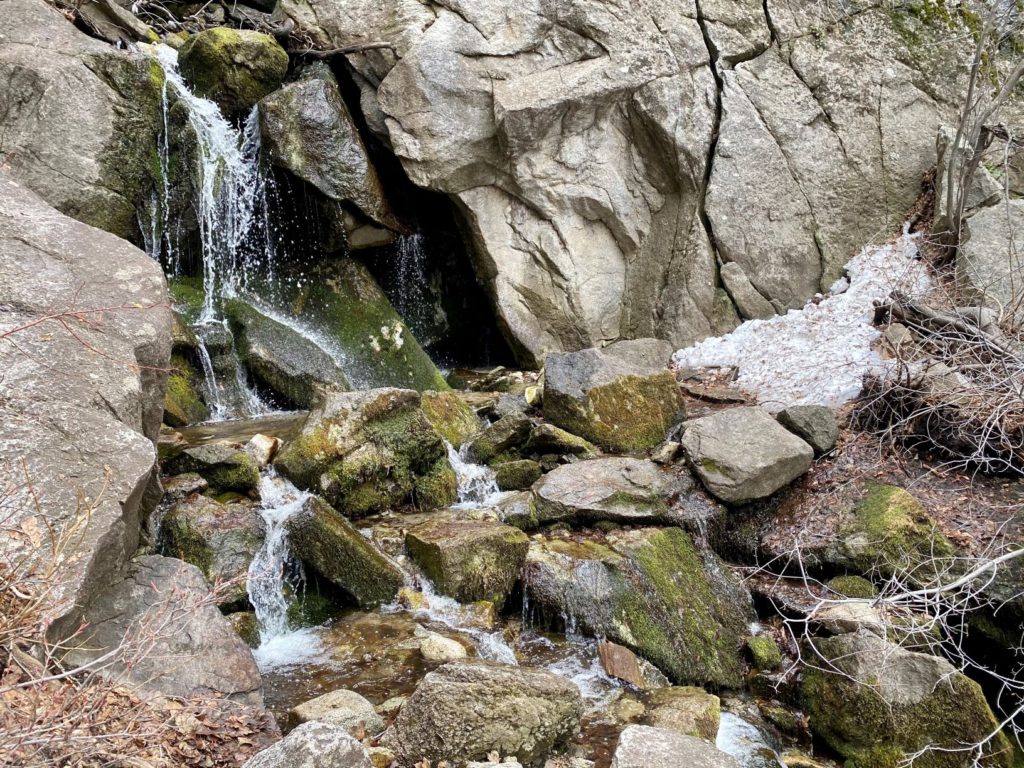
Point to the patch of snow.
(817, 355)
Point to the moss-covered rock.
(182, 402)
(219, 539)
(247, 627)
(516, 475)
(500, 439)
(651, 590)
(370, 451)
(233, 67)
(469, 560)
(549, 439)
(884, 703)
(451, 416)
(685, 709)
(853, 586)
(764, 652)
(224, 467)
(331, 546)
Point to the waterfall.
(477, 484)
(411, 271)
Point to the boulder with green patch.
(516, 475)
(370, 451)
(500, 438)
(183, 404)
(651, 590)
(451, 416)
(469, 560)
(225, 467)
(685, 709)
(233, 67)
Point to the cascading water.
(476, 482)
(411, 267)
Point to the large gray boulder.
(341, 707)
(743, 454)
(641, 746)
(814, 424)
(80, 118)
(619, 489)
(990, 264)
(313, 745)
(78, 416)
(578, 140)
(619, 400)
(160, 611)
(466, 709)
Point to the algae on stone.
(516, 475)
(182, 403)
(450, 415)
(764, 652)
(233, 67)
(224, 467)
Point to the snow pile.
(818, 354)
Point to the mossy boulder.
(328, 543)
(651, 590)
(618, 403)
(516, 475)
(549, 439)
(370, 451)
(451, 416)
(853, 586)
(233, 67)
(764, 652)
(219, 539)
(183, 404)
(500, 439)
(469, 560)
(225, 467)
(685, 709)
(883, 703)
(283, 359)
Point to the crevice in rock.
(773, 33)
(821, 105)
(713, 57)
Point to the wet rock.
(313, 745)
(883, 703)
(814, 424)
(233, 67)
(683, 709)
(183, 405)
(335, 549)
(211, 659)
(179, 487)
(440, 649)
(466, 709)
(502, 437)
(247, 627)
(641, 746)
(262, 448)
(743, 454)
(282, 358)
(620, 403)
(370, 451)
(618, 489)
(764, 652)
(307, 129)
(666, 453)
(223, 466)
(650, 590)
(219, 539)
(516, 475)
(343, 708)
(619, 662)
(469, 559)
(451, 416)
(549, 439)
(517, 509)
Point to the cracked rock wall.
(609, 156)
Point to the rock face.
(469, 560)
(343, 708)
(884, 703)
(83, 429)
(622, 490)
(743, 454)
(578, 142)
(368, 451)
(81, 118)
(642, 746)
(219, 539)
(650, 590)
(163, 606)
(313, 745)
(618, 402)
(989, 266)
(233, 67)
(332, 546)
(465, 709)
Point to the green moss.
(182, 404)
(180, 539)
(764, 652)
(449, 415)
(437, 488)
(853, 586)
(516, 475)
(311, 609)
(187, 296)
(235, 68)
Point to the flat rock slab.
(622, 490)
(313, 745)
(743, 454)
(642, 746)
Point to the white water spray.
(477, 484)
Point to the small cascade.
(411, 274)
(477, 484)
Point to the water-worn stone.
(684, 709)
(334, 548)
(883, 703)
(617, 401)
(466, 709)
(343, 708)
(223, 465)
(209, 656)
(313, 745)
(369, 451)
(262, 448)
(179, 487)
(641, 746)
(548, 439)
(469, 559)
(650, 590)
(82, 117)
(505, 435)
(814, 424)
(233, 67)
(219, 539)
(451, 416)
(183, 405)
(440, 649)
(78, 421)
(287, 362)
(516, 475)
(743, 454)
(622, 490)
